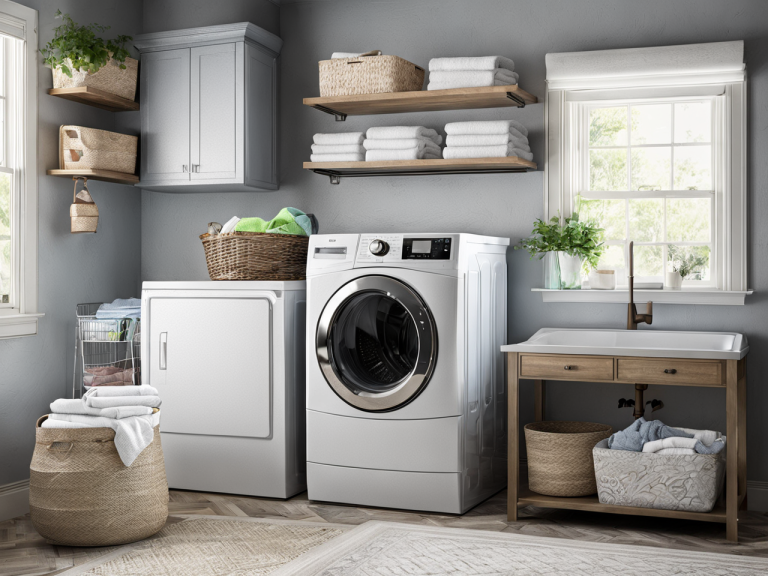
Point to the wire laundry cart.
(107, 351)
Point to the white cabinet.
(209, 109)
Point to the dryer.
(406, 396)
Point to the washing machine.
(406, 395)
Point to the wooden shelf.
(95, 97)
(422, 101)
(105, 175)
(337, 170)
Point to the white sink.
(655, 343)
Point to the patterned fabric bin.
(691, 482)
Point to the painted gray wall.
(97, 267)
(502, 205)
(162, 15)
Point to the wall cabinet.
(209, 109)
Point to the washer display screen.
(430, 248)
(421, 246)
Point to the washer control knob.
(378, 247)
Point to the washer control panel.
(426, 248)
(379, 247)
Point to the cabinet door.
(260, 118)
(211, 360)
(165, 116)
(217, 103)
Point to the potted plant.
(683, 265)
(80, 58)
(567, 245)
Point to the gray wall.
(503, 205)
(35, 371)
(162, 15)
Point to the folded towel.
(121, 401)
(403, 154)
(48, 423)
(339, 138)
(470, 79)
(230, 225)
(338, 149)
(78, 406)
(686, 443)
(337, 157)
(520, 141)
(390, 132)
(339, 55)
(485, 127)
(485, 152)
(399, 144)
(120, 308)
(287, 221)
(471, 63)
(452, 85)
(144, 390)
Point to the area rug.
(214, 545)
(393, 549)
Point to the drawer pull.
(566, 367)
(670, 371)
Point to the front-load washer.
(406, 396)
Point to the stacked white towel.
(128, 410)
(469, 72)
(341, 147)
(402, 143)
(489, 139)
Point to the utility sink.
(643, 343)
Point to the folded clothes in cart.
(120, 308)
(108, 376)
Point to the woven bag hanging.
(83, 212)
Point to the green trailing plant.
(76, 47)
(686, 262)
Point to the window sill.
(621, 296)
(17, 325)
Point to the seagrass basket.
(81, 493)
(83, 212)
(369, 75)
(560, 456)
(81, 147)
(109, 78)
(255, 256)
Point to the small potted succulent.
(683, 265)
(80, 58)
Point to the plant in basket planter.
(78, 57)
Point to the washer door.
(376, 343)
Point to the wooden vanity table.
(729, 374)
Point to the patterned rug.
(214, 545)
(392, 549)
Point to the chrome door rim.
(410, 386)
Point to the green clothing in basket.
(287, 221)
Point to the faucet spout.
(633, 318)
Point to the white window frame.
(20, 316)
(645, 74)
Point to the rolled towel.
(338, 149)
(78, 406)
(337, 157)
(390, 132)
(399, 144)
(230, 225)
(485, 127)
(471, 78)
(520, 141)
(402, 154)
(471, 63)
(339, 138)
(340, 55)
(686, 443)
(453, 152)
(676, 451)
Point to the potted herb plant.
(567, 245)
(78, 57)
(683, 265)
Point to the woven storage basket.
(691, 482)
(83, 213)
(81, 493)
(81, 147)
(109, 78)
(256, 256)
(560, 457)
(369, 75)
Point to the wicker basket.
(369, 75)
(81, 493)
(109, 78)
(560, 457)
(256, 256)
(83, 213)
(94, 149)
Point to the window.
(18, 170)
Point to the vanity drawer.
(670, 371)
(584, 368)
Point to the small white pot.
(674, 280)
(602, 280)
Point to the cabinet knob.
(670, 371)
(184, 168)
(566, 367)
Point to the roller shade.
(13, 27)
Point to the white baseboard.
(14, 500)
(757, 496)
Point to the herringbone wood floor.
(24, 552)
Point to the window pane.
(613, 259)
(693, 122)
(5, 237)
(691, 261)
(608, 169)
(609, 214)
(689, 219)
(646, 217)
(648, 261)
(608, 126)
(693, 168)
(652, 124)
(651, 168)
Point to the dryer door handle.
(163, 350)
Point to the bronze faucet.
(633, 318)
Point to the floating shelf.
(336, 170)
(422, 101)
(105, 175)
(95, 97)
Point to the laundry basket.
(369, 75)
(81, 493)
(94, 149)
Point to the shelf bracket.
(515, 98)
(340, 116)
(335, 178)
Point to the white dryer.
(406, 396)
